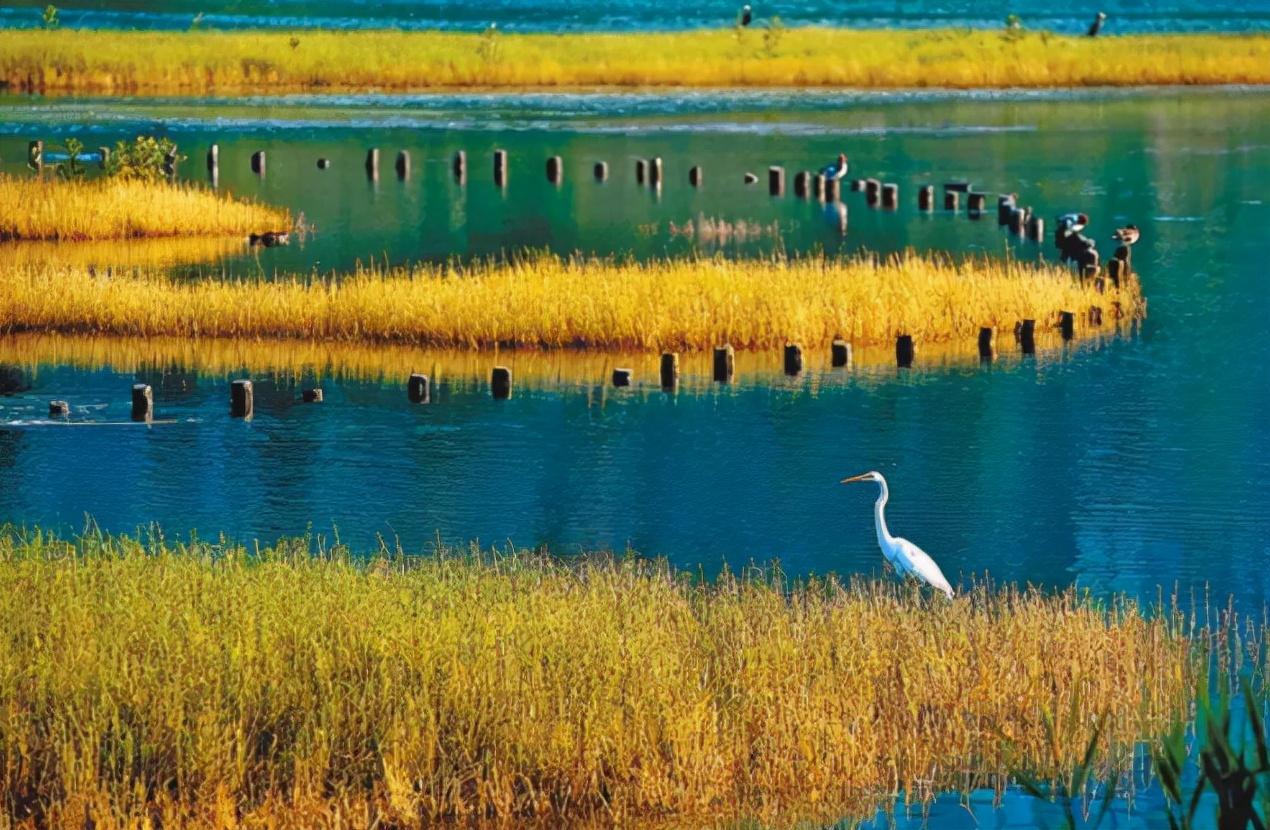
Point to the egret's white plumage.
(907, 558)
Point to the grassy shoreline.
(546, 302)
(40, 209)
(195, 683)
(196, 62)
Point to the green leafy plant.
(51, 20)
(1236, 775)
(145, 157)
(72, 168)
(1069, 790)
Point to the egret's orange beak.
(861, 477)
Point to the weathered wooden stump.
(258, 163)
(323, 163)
(601, 171)
(312, 395)
(1005, 206)
(750, 178)
(839, 353)
(987, 349)
(641, 171)
(890, 196)
(555, 170)
(419, 389)
(1036, 229)
(622, 377)
(242, 401)
(776, 180)
(655, 172)
(458, 165)
(724, 363)
(801, 179)
(500, 167)
(818, 186)
(142, 402)
(926, 197)
(872, 191)
(952, 200)
(1095, 315)
(793, 358)
(695, 176)
(904, 351)
(403, 165)
(975, 204)
(669, 370)
(833, 189)
(500, 383)
(59, 409)
(1067, 324)
(1027, 336)
(372, 164)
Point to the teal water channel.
(1137, 464)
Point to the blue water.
(628, 15)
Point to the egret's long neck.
(879, 515)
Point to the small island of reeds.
(124, 208)
(549, 302)
(766, 56)
(145, 682)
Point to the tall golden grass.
(547, 302)
(44, 61)
(146, 682)
(139, 252)
(54, 209)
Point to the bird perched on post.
(746, 16)
(837, 170)
(1096, 26)
(1126, 236)
(907, 558)
(1072, 244)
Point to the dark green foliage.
(146, 158)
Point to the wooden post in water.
(419, 389)
(669, 370)
(832, 189)
(800, 184)
(857, 185)
(654, 172)
(1067, 324)
(776, 180)
(695, 177)
(1027, 336)
(403, 165)
(986, 349)
(724, 363)
(890, 196)
(35, 155)
(142, 402)
(458, 166)
(641, 171)
(241, 399)
(951, 200)
(1036, 229)
(500, 168)
(258, 163)
(839, 353)
(213, 159)
(926, 198)
(818, 186)
(104, 153)
(1115, 270)
(1095, 316)
(601, 171)
(904, 352)
(59, 409)
(793, 358)
(323, 163)
(1018, 220)
(975, 203)
(312, 395)
(622, 377)
(1005, 206)
(372, 164)
(872, 191)
(555, 169)
(500, 383)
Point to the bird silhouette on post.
(1096, 26)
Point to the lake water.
(627, 15)
(1135, 464)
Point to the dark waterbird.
(270, 239)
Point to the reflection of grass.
(144, 253)
(52, 209)
(203, 682)
(303, 361)
(198, 61)
(549, 303)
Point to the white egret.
(906, 557)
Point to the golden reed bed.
(109, 209)
(194, 62)
(217, 686)
(547, 302)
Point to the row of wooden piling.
(723, 369)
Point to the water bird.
(907, 558)
(1096, 26)
(746, 16)
(1127, 235)
(837, 170)
(1073, 222)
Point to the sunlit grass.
(53, 209)
(140, 252)
(212, 685)
(546, 302)
(41, 61)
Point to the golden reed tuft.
(197, 62)
(53, 209)
(548, 302)
(144, 681)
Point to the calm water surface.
(1135, 464)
